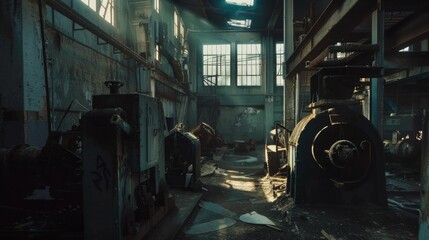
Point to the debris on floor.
(256, 218)
(210, 226)
(240, 188)
(216, 208)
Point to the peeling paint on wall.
(241, 123)
(246, 119)
(88, 97)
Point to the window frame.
(109, 14)
(245, 61)
(223, 73)
(279, 64)
(156, 6)
(176, 24)
(157, 56)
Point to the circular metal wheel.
(407, 150)
(339, 151)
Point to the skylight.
(240, 23)
(246, 3)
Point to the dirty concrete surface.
(238, 183)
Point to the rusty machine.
(42, 189)
(403, 137)
(104, 179)
(182, 159)
(124, 190)
(335, 153)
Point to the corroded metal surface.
(424, 215)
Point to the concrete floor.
(237, 182)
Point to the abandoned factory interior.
(214, 119)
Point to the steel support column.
(377, 84)
(424, 181)
(297, 98)
(411, 30)
(270, 79)
(288, 89)
(339, 17)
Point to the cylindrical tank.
(336, 157)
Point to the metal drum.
(336, 156)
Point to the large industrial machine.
(335, 153)
(402, 138)
(42, 189)
(124, 190)
(104, 179)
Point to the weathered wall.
(78, 63)
(241, 123)
(424, 178)
(11, 94)
(76, 73)
(22, 99)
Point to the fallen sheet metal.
(240, 158)
(256, 218)
(216, 208)
(210, 226)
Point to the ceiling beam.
(407, 59)
(407, 76)
(203, 9)
(277, 12)
(412, 29)
(401, 5)
(338, 19)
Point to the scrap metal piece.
(216, 208)
(210, 226)
(256, 218)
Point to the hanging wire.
(68, 110)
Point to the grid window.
(157, 58)
(105, 8)
(176, 24)
(156, 5)
(182, 33)
(249, 64)
(279, 64)
(217, 65)
(406, 49)
(91, 3)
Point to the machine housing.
(123, 163)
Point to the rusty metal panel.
(424, 216)
(102, 186)
(144, 115)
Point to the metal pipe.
(288, 46)
(424, 181)
(121, 123)
(45, 65)
(377, 84)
